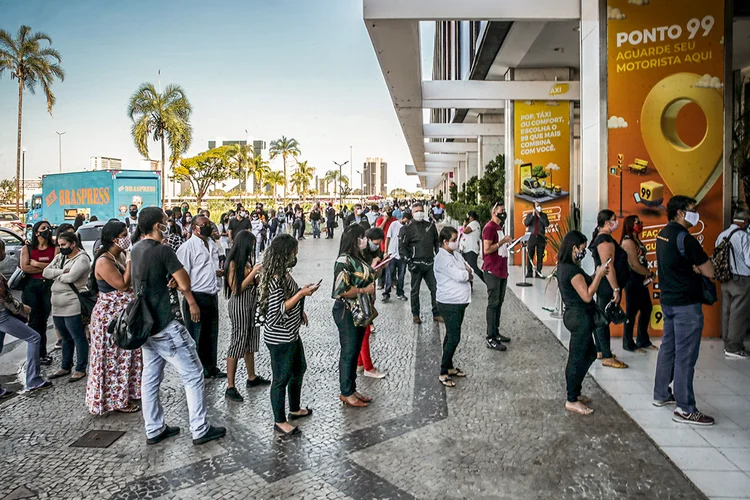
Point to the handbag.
(17, 280)
(615, 314)
(87, 299)
(709, 295)
(600, 318)
(363, 310)
(132, 326)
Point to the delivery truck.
(107, 194)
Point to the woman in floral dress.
(114, 382)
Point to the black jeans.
(601, 335)
(535, 246)
(74, 338)
(329, 229)
(637, 300)
(471, 259)
(350, 337)
(36, 294)
(288, 366)
(581, 350)
(206, 331)
(421, 272)
(495, 297)
(453, 314)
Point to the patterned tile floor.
(502, 433)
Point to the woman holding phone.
(373, 255)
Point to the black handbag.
(600, 318)
(615, 314)
(87, 299)
(709, 294)
(132, 326)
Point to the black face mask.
(45, 234)
(133, 213)
(503, 216)
(206, 231)
(66, 251)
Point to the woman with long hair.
(453, 276)
(637, 298)
(577, 290)
(604, 248)
(114, 382)
(352, 276)
(35, 257)
(69, 269)
(470, 242)
(187, 225)
(174, 235)
(281, 312)
(240, 287)
(373, 255)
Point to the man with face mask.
(132, 219)
(199, 256)
(357, 217)
(682, 262)
(495, 267)
(240, 223)
(536, 224)
(417, 245)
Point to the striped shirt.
(281, 326)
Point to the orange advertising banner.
(542, 142)
(666, 120)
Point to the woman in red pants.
(373, 255)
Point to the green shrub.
(458, 211)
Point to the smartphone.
(608, 261)
(317, 285)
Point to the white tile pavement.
(717, 458)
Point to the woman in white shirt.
(453, 276)
(470, 242)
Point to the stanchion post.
(523, 283)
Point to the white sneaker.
(375, 373)
(741, 354)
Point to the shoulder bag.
(709, 295)
(132, 326)
(17, 280)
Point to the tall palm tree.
(275, 178)
(240, 158)
(302, 177)
(31, 63)
(332, 176)
(285, 148)
(163, 117)
(260, 169)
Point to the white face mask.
(362, 243)
(692, 218)
(538, 209)
(418, 216)
(615, 225)
(453, 245)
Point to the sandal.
(456, 372)
(60, 374)
(131, 408)
(613, 363)
(296, 416)
(575, 409)
(447, 381)
(358, 402)
(585, 400)
(77, 376)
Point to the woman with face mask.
(352, 276)
(637, 298)
(603, 248)
(577, 290)
(70, 268)
(281, 312)
(114, 382)
(454, 277)
(187, 225)
(373, 255)
(35, 257)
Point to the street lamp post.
(59, 147)
(23, 175)
(361, 184)
(341, 194)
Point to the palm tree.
(285, 148)
(302, 177)
(260, 169)
(275, 178)
(163, 117)
(30, 63)
(240, 158)
(332, 176)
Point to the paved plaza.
(501, 433)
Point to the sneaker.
(258, 380)
(695, 418)
(58, 345)
(168, 432)
(417, 320)
(6, 394)
(402, 297)
(496, 345)
(664, 402)
(216, 373)
(233, 394)
(45, 361)
(46, 385)
(374, 373)
(741, 354)
(386, 298)
(213, 433)
(503, 338)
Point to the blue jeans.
(680, 346)
(395, 268)
(73, 336)
(15, 328)
(175, 346)
(316, 228)
(351, 338)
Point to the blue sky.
(304, 69)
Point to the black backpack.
(720, 259)
(132, 326)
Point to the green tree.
(399, 193)
(285, 148)
(332, 176)
(260, 169)
(301, 178)
(275, 179)
(203, 170)
(32, 63)
(492, 184)
(240, 158)
(453, 191)
(163, 117)
(8, 191)
(539, 172)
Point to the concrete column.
(593, 112)
(480, 143)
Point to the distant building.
(104, 163)
(375, 176)
(146, 164)
(259, 147)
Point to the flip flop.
(584, 400)
(131, 408)
(573, 409)
(456, 372)
(447, 381)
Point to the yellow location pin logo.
(687, 170)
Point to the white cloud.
(615, 13)
(617, 122)
(518, 161)
(552, 166)
(639, 2)
(708, 82)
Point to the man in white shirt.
(471, 243)
(735, 293)
(200, 258)
(373, 215)
(396, 268)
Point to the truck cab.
(34, 213)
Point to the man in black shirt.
(536, 224)
(682, 266)
(330, 220)
(153, 265)
(240, 223)
(315, 217)
(417, 245)
(357, 217)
